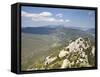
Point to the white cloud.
(67, 20)
(23, 13)
(59, 15)
(44, 18)
(61, 20)
(49, 19)
(26, 14)
(45, 14)
(42, 14)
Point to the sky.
(42, 16)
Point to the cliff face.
(79, 53)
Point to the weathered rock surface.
(77, 54)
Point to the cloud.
(49, 19)
(46, 14)
(67, 20)
(43, 18)
(42, 14)
(23, 13)
(59, 15)
(26, 14)
(61, 20)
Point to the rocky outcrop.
(77, 54)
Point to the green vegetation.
(35, 48)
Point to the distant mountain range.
(38, 30)
(46, 29)
(60, 31)
(91, 31)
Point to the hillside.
(60, 32)
(79, 53)
(38, 42)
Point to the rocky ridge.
(79, 53)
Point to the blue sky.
(41, 16)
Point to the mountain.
(37, 30)
(59, 31)
(92, 30)
(71, 33)
(39, 42)
(79, 53)
(46, 29)
(41, 30)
